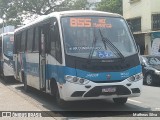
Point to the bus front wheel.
(59, 101)
(120, 100)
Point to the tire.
(120, 101)
(149, 80)
(53, 86)
(61, 103)
(6, 79)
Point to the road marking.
(134, 101)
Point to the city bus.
(79, 55)
(6, 54)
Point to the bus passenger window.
(36, 40)
(30, 36)
(23, 41)
(18, 42)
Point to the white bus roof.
(69, 13)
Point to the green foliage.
(9, 13)
(76, 4)
(16, 11)
(114, 6)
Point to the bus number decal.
(80, 22)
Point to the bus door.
(43, 40)
(16, 47)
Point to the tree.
(44, 7)
(77, 4)
(16, 11)
(114, 6)
(9, 13)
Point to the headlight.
(76, 80)
(136, 77)
(157, 72)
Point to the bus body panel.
(73, 88)
(8, 67)
(30, 65)
(59, 72)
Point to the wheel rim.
(149, 79)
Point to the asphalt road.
(148, 101)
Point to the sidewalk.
(11, 101)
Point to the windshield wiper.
(93, 45)
(106, 42)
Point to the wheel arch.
(148, 72)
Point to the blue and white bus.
(6, 54)
(79, 55)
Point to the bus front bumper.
(71, 91)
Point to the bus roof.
(69, 13)
(86, 12)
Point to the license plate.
(109, 90)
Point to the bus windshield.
(8, 45)
(84, 36)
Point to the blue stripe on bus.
(99, 76)
(58, 72)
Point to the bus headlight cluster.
(76, 80)
(136, 77)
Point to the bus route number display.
(87, 22)
(80, 22)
